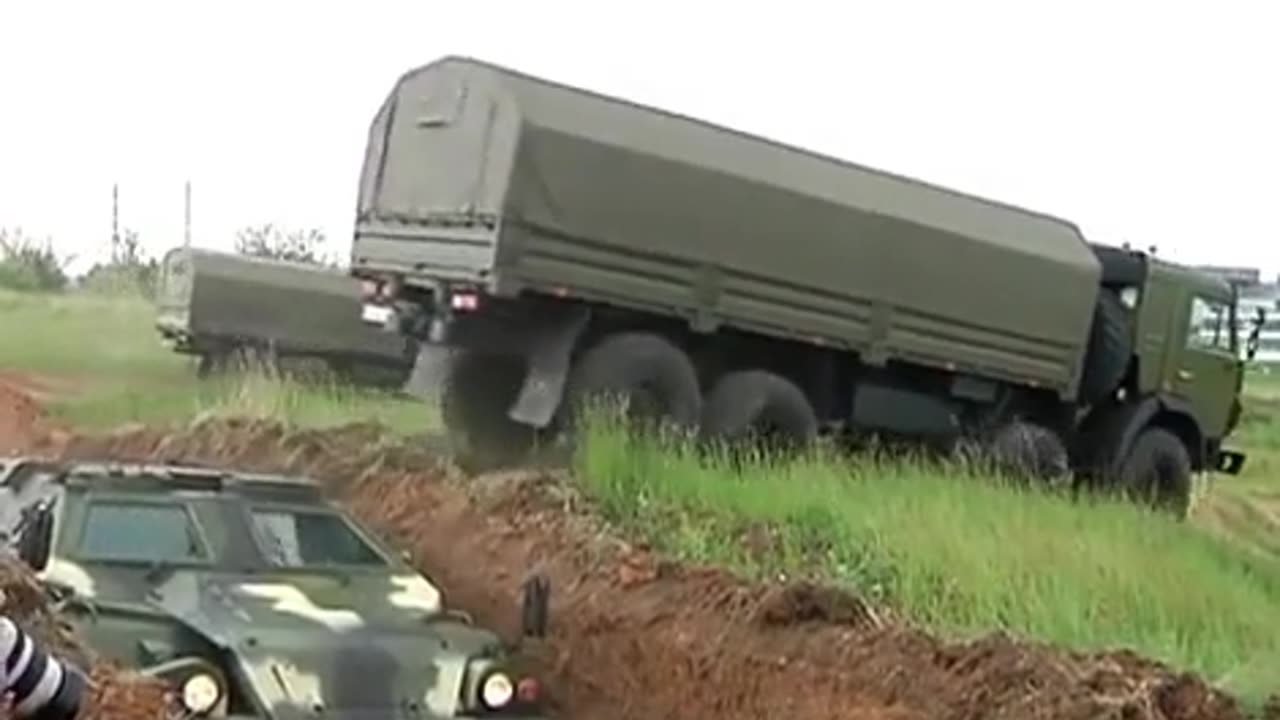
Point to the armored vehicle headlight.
(200, 693)
(497, 690)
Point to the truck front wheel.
(1157, 471)
(652, 377)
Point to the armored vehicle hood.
(365, 646)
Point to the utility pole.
(186, 215)
(115, 222)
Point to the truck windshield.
(291, 538)
(1211, 326)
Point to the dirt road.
(634, 637)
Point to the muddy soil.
(21, 418)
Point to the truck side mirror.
(36, 541)
(535, 606)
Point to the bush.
(26, 265)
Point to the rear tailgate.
(173, 297)
(433, 179)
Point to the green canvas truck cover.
(211, 296)
(479, 174)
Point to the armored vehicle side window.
(297, 538)
(142, 532)
(1210, 327)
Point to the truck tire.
(1110, 347)
(1029, 450)
(476, 392)
(1157, 472)
(655, 378)
(760, 405)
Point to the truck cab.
(1185, 377)
(1188, 335)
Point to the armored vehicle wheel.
(1028, 450)
(1110, 347)
(759, 406)
(1157, 472)
(653, 378)
(477, 391)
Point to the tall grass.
(958, 552)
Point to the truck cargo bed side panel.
(650, 210)
(640, 230)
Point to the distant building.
(1246, 276)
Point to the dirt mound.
(114, 695)
(20, 417)
(633, 636)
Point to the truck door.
(1206, 369)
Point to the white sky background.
(1152, 122)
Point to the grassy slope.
(957, 553)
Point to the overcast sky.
(1152, 122)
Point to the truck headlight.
(200, 693)
(497, 690)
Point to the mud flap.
(548, 363)
(429, 368)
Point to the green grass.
(963, 554)
(108, 351)
(951, 550)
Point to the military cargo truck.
(563, 245)
(217, 305)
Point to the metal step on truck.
(561, 245)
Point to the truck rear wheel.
(653, 378)
(761, 406)
(1157, 471)
(476, 392)
(1110, 347)
(1029, 450)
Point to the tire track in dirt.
(633, 637)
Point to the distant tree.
(130, 270)
(28, 265)
(269, 241)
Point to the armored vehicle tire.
(476, 392)
(1157, 471)
(1109, 350)
(759, 406)
(1029, 450)
(652, 377)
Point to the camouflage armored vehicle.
(253, 596)
(218, 305)
(562, 245)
